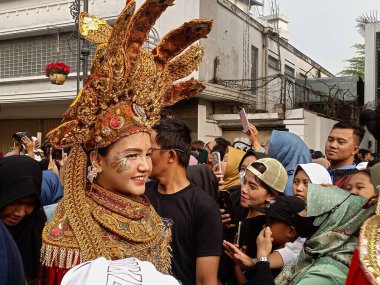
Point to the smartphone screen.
(39, 138)
(215, 156)
(244, 120)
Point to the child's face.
(360, 184)
(300, 184)
(281, 233)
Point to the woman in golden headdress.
(110, 118)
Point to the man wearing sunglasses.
(195, 218)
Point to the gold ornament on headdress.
(129, 85)
(124, 94)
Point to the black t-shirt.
(250, 229)
(197, 227)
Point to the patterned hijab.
(339, 216)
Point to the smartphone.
(244, 120)
(216, 160)
(237, 237)
(39, 138)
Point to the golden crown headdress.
(129, 85)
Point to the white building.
(243, 57)
(372, 79)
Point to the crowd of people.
(119, 193)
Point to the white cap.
(123, 271)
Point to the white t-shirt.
(291, 250)
(123, 271)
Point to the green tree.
(356, 63)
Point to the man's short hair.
(357, 129)
(197, 145)
(174, 134)
(222, 141)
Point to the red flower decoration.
(57, 67)
(56, 232)
(116, 122)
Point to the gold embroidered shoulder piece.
(125, 228)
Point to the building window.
(254, 68)
(289, 71)
(273, 63)
(302, 75)
(28, 56)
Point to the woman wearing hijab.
(230, 169)
(305, 174)
(52, 190)
(290, 150)
(326, 256)
(286, 147)
(20, 208)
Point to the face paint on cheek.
(121, 163)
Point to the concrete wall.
(313, 129)
(370, 61)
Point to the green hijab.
(339, 216)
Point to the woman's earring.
(92, 173)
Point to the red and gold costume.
(124, 95)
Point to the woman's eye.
(149, 154)
(131, 155)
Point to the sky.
(325, 30)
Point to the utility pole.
(85, 50)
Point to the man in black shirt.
(197, 226)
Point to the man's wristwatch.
(262, 259)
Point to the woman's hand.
(226, 219)
(218, 173)
(253, 135)
(264, 242)
(238, 256)
(29, 146)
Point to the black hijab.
(20, 177)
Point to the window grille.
(273, 62)
(28, 56)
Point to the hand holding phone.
(216, 160)
(226, 203)
(244, 120)
(39, 138)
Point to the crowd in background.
(283, 213)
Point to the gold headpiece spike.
(129, 85)
(68, 134)
(184, 64)
(120, 29)
(179, 39)
(138, 30)
(94, 29)
(182, 90)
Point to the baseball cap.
(285, 209)
(274, 175)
